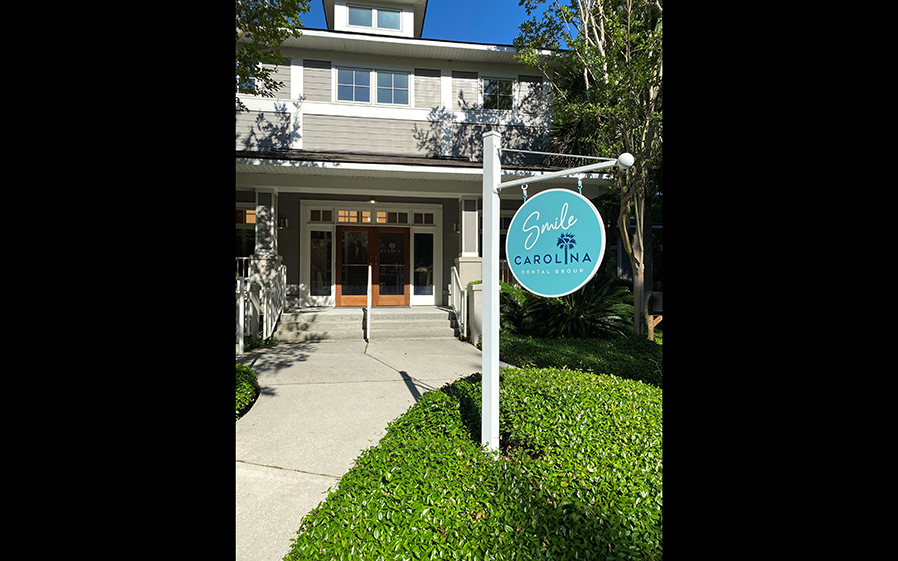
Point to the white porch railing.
(259, 305)
(242, 266)
(458, 298)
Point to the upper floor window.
(353, 85)
(498, 94)
(365, 17)
(392, 87)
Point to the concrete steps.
(317, 324)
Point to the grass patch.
(633, 357)
(247, 388)
(579, 477)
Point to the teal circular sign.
(555, 243)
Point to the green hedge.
(633, 357)
(247, 388)
(579, 477)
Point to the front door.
(387, 251)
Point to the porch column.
(468, 260)
(265, 259)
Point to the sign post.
(557, 230)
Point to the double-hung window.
(498, 94)
(392, 87)
(353, 85)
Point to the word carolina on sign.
(555, 243)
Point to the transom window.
(365, 17)
(322, 216)
(379, 217)
(498, 94)
(246, 216)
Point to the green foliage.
(608, 97)
(599, 309)
(266, 23)
(579, 477)
(250, 343)
(247, 388)
(596, 310)
(633, 357)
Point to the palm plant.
(595, 311)
(512, 307)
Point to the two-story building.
(371, 154)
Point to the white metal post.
(492, 175)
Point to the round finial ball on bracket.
(625, 160)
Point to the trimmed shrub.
(633, 357)
(247, 388)
(579, 477)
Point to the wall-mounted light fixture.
(373, 200)
(282, 223)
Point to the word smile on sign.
(555, 242)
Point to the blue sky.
(474, 21)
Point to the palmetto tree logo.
(566, 242)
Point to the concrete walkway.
(322, 404)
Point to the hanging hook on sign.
(580, 184)
(524, 189)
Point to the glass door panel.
(387, 251)
(353, 247)
(391, 265)
(320, 263)
(391, 275)
(423, 264)
(354, 263)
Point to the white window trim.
(306, 226)
(374, 11)
(514, 92)
(372, 81)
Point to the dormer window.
(366, 17)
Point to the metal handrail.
(368, 311)
(459, 301)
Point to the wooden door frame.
(374, 260)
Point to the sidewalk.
(321, 405)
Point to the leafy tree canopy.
(261, 27)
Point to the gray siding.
(363, 135)
(465, 90)
(263, 130)
(281, 74)
(532, 97)
(467, 141)
(427, 88)
(316, 79)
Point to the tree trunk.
(648, 261)
(638, 296)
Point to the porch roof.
(302, 162)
